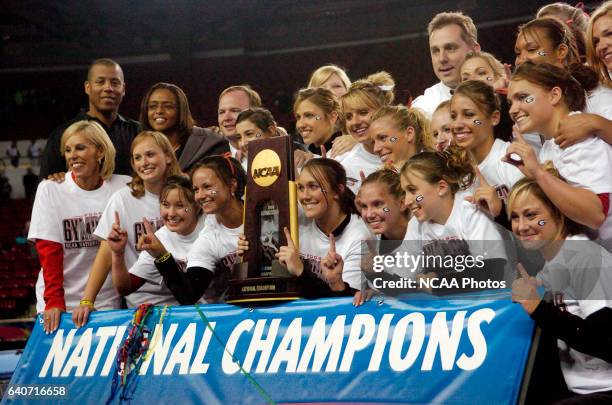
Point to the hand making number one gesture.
(522, 155)
(332, 266)
(289, 256)
(485, 195)
(149, 241)
(525, 290)
(117, 238)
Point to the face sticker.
(393, 139)
(213, 192)
(477, 122)
(541, 222)
(542, 53)
(419, 198)
(318, 118)
(187, 210)
(386, 209)
(529, 99)
(489, 79)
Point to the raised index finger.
(479, 176)
(117, 221)
(332, 244)
(289, 240)
(521, 271)
(148, 227)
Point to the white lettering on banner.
(198, 366)
(260, 344)
(227, 363)
(289, 348)
(328, 345)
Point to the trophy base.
(262, 290)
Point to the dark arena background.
(203, 46)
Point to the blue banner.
(417, 350)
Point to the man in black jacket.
(105, 88)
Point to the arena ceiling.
(67, 32)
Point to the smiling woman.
(165, 109)
(153, 161)
(64, 217)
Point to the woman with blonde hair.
(398, 133)
(359, 104)
(577, 275)
(64, 217)
(332, 77)
(153, 161)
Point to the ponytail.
(453, 165)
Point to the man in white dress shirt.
(451, 37)
(232, 101)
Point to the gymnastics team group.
(152, 212)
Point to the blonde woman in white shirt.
(64, 217)
(153, 160)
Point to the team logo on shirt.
(502, 191)
(78, 231)
(139, 229)
(266, 168)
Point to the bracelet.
(163, 257)
(86, 302)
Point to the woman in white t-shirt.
(548, 40)
(362, 100)
(578, 276)
(219, 183)
(382, 208)
(64, 217)
(442, 223)
(475, 113)
(398, 133)
(542, 95)
(183, 221)
(153, 160)
(578, 127)
(328, 259)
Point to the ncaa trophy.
(270, 206)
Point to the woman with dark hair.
(165, 109)
(218, 184)
(328, 259)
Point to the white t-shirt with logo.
(215, 250)
(67, 214)
(356, 160)
(314, 245)
(580, 278)
(466, 222)
(131, 212)
(499, 174)
(432, 97)
(176, 244)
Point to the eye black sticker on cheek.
(489, 79)
(187, 210)
(318, 118)
(213, 192)
(419, 198)
(393, 139)
(542, 53)
(386, 209)
(529, 99)
(477, 122)
(541, 222)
